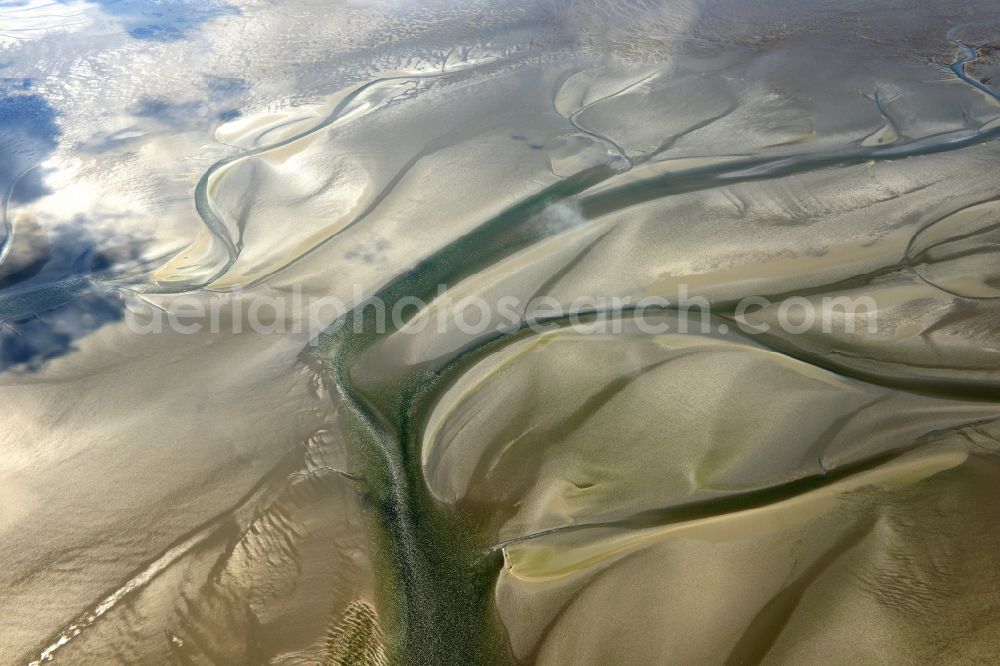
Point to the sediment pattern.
(611, 478)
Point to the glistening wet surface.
(555, 331)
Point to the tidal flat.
(373, 332)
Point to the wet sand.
(368, 490)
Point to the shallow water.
(728, 391)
